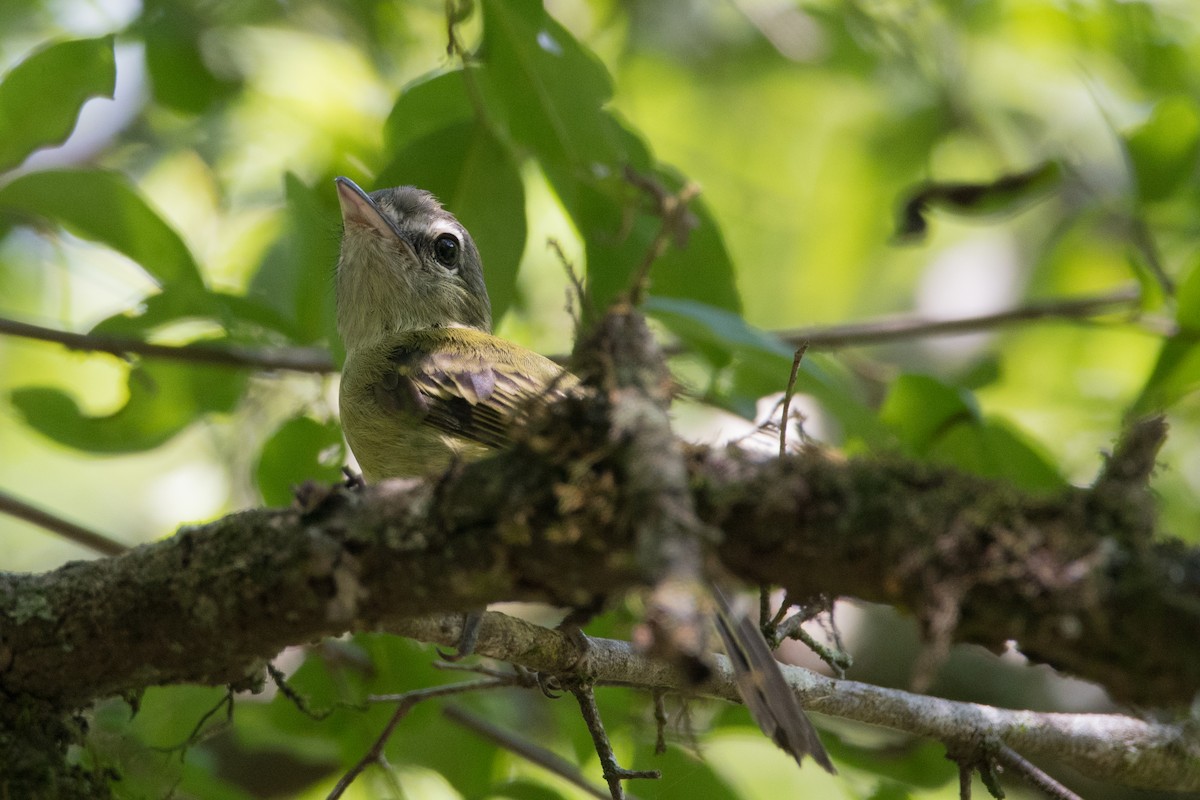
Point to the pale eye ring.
(446, 250)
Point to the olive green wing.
(470, 388)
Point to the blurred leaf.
(552, 90)
(475, 176)
(762, 363)
(164, 398)
(105, 207)
(550, 94)
(943, 423)
(178, 74)
(1165, 148)
(1176, 372)
(887, 790)
(921, 765)
(685, 776)
(302, 449)
(525, 789)
(994, 450)
(428, 105)
(243, 318)
(716, 332)
(40, 98)
(1004, 195)
(920, 409)
(295, 279)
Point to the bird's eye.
(445, 250)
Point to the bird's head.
(406, 264)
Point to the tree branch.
(15, 507)
(1108, 747)
(899, 328)
(829, 337)
(295, 359)
(1078, 578)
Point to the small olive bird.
(426, 383)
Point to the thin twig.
(57, 525)
(886, 330)
(406, 702)
(660, 722)
(672, 208)
(225, 702)
(579, 303)
(894, 329)
(532, 753)
(787, 397)
(965, 773)
(293, 359)
(1143, 242)
(614, 773)
(1018, 763)
(300, 702)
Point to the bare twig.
(838, 660)
(579, 303)
(787, 397)
(525, 749)
(1110, 747)
(1032, 773)
(1143, 242)
(300, 702)
(676, 222)
(660, 722)
(885, 330)
(293, 359)
(614, 773)
(965, 773)
(194, 737)
(55, 524)
(406, 702)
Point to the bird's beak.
(359, 209)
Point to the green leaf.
(1005, 195)
(685, 775)
(995, 450)
(1176, 372)
(164, 398)
(887, 790)
(920, 409)
(1164, 149)
(476, 177)
(295, 279)
(180, 78)
(549, 93)
(428, 105)
(302, 449)
(716, 331)
(943, 424)
(40, 98)
(922, 765)
(547, 88)
(243, 318)
(618, 234)
(105, 207)
(762, 363)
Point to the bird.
(426, 384)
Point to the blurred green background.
(197, 205)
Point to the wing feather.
(466, 383)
